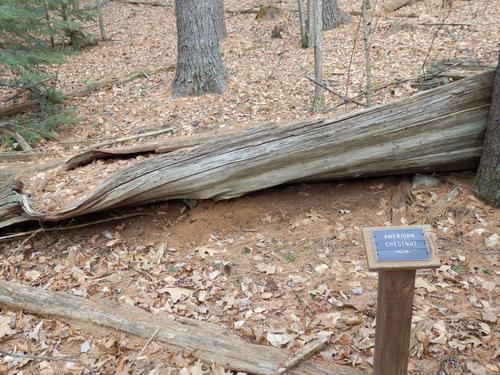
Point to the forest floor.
(277, 266)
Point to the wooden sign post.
(396, 253)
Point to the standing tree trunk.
(199, 65)
(302, 24)
(101, 21)
(366, 42)
(319, 98)
(310, 23)
(219, 20)
(333, 16)
(488, 174)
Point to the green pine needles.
(35, 34)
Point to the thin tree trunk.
(488, 174)
(47, 18)
(67, 15)
(219, 20)
(310, 23)
(333, 15)
(101, 22)
(319, 98)
(199, 64)
(366, 41)
(302, 24)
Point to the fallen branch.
(9, 157)
(384, 15)
(304, 354)
(442, 72)
(69, 227)
(252, 10)
(113, 141)
(140, 2)
(206, 341)
(89, 89)
(344, 98)
(18, 138)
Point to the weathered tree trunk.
(319, 97)
(488, 174)
(395, 5)
(310, 23)
(366, 45)
(302, 24)
(101, 21)
(435, 130)
(333, 15)
(199, 65)
(220, 20)
(76, 38)
(206, 341)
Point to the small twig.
(344, 98)
(47, 358)
(397, 82)
(147, 343)
(302, 355)
(26, 240)
(444, 24)
(434, 39)
(351, 58)
(128, 138)
(16, 235)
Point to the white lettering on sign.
(401, 243)
(395, 236)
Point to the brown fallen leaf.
(362, 302)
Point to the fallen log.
(205, 340)
(89, 89)
(384, 14)
(395, 5)
(444, 72)
(436, 130)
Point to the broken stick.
(307, 352)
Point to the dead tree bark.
(366, 44)
(302, 24)
(319, 97)
(206, 341)
(220, 20)
(101, 21)
(440, 129)
(310, 23)
(199, 64)
(488, 174)
(333, 15)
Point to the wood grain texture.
(206, 341)
(394, 311)
(440, 129)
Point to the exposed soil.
(288, 262)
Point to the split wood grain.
(206, 341)
(436, 130)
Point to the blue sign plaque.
(400, 245)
